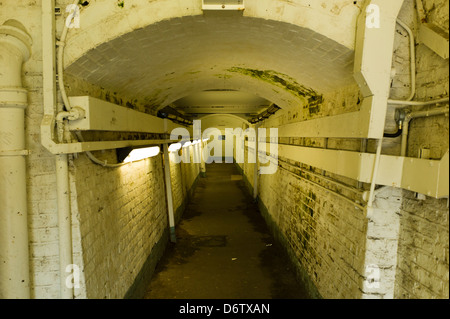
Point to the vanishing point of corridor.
(224, 249)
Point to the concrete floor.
(224, 249)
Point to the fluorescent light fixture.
(141, 153)
(195, 142)
(174, 147)
(206, 139)
(188, 143)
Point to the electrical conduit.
(62, 176)
(414, 115)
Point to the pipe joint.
(400, 116)
(75, 113)
(13, 98)
(14, 33)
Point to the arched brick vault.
(159, 63)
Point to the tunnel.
(224, 149)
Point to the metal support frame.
(429, 177)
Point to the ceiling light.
(174, 147)
(141, 153)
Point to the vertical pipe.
(61, 161)
(173, 237)
(414, 115)
(14, 260)
(412, 57)
(404, 142)
(255, 171)
(15, 48)
(363, 149)
(202, 160)
(64, 223)
(375, 173)
(198, 156)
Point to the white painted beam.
(373, 59)
(429, 177)
(348, 125)
(105, 116)
(435, 38)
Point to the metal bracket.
(221, 5)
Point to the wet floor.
(224, 249)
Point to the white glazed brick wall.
(178, 189)
(326, 232)
(382, 239)
(122, 216)
(423, 262)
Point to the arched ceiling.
(223, 121)
(169, 60)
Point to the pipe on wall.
(64, 222)
(15, 49)
(418, 103)
(202, 158)
(168, 183)
(255, 170)
(61, 160)
(413, 115)
(412, 58)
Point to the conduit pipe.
(61, 160)
(255, 170)
(202, 159)
(374, 174)
(366, 194)
(62, 178)
(64, 223)
(60, 60)
(418, 103)
(408, 101)
(173, 237)
(413, 115)
(15, 49)
(96, 160)
(412, 57)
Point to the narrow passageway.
(224, 249)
